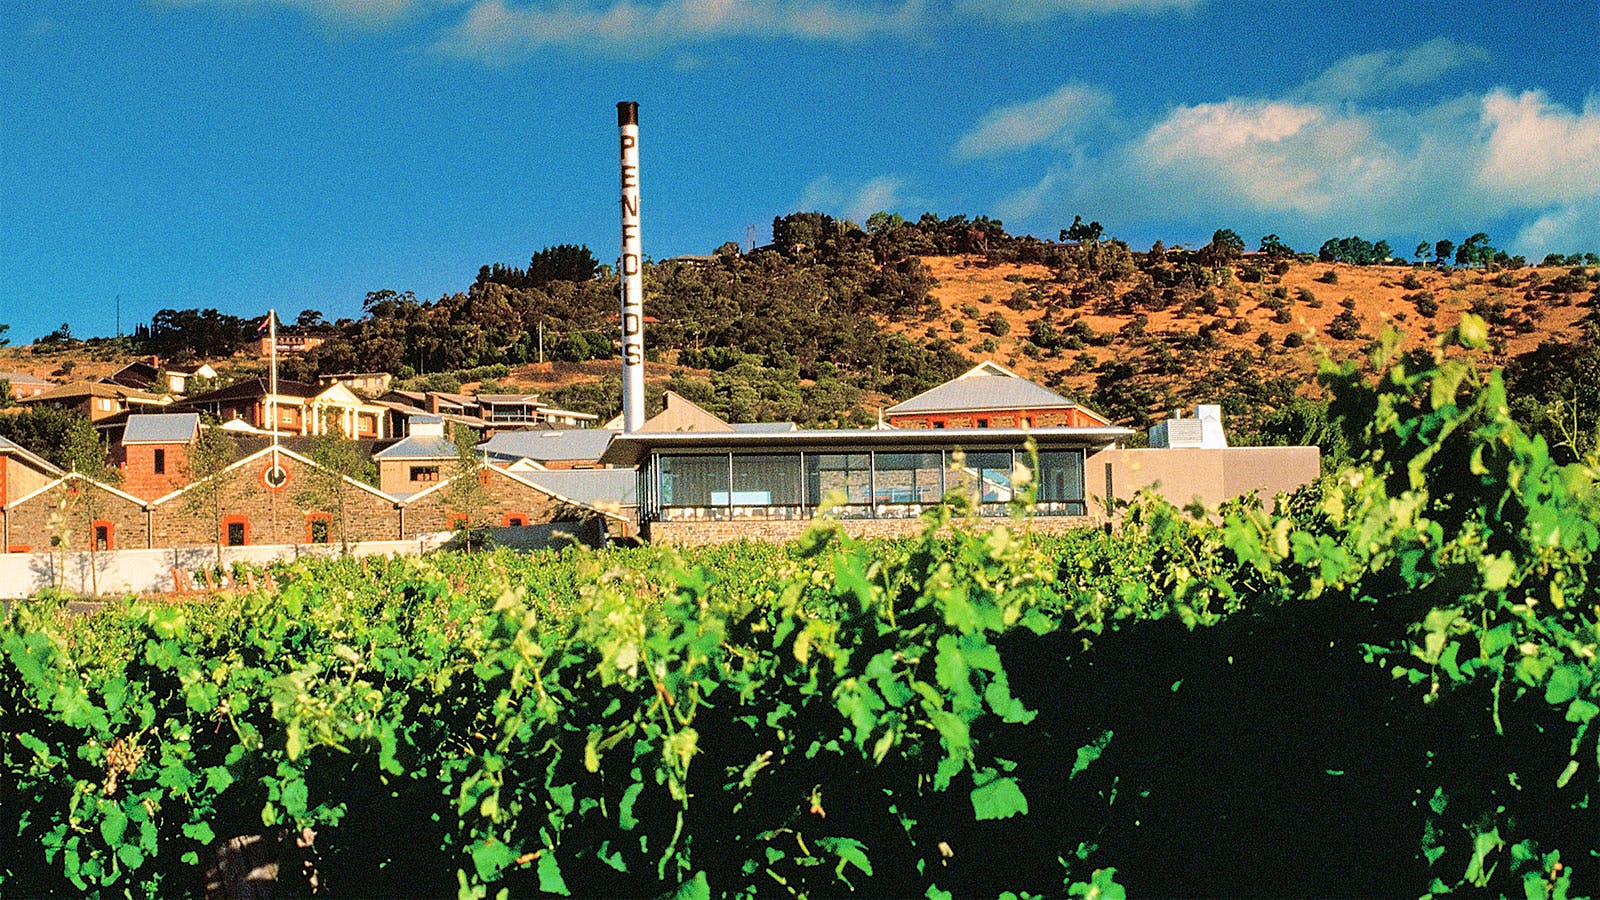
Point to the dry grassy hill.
(1279, 327)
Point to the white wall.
(147, 571)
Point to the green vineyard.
(1385, 685)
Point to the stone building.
(507, 500)
(91, 515)
(274, 496)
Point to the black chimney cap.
(627, 113)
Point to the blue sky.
(242, 154)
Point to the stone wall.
(691, 533)
(507, 497)
(28, 524)
(273, 516)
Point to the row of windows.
(873, 483)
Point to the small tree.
(210, 477)
(85, 454)
(466, 495)
(327, 485)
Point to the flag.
(265, 326)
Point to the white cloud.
(343, 13)
(1053, 118)
(1329, 168)
(493, 30)
(853, 201)
(1041, 10)
(1368, 74)
(1538, 152)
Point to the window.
(986, 476)
(424, 473)
(698, 480)
(849, 474)
(1061, 482)
(235, 531)
(161, 461)
(319, 528)
(458, 521)
(908, 479)
(515, 520)
(770, 481)
(983, 423)
(101, 534)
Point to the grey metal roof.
(632, 448)
(429, 447)
(590, 486)
(978, 392)
(763, 427)
(22, 378)
(161, 428)
(576, 444)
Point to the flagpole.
(272, 393)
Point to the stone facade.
(266, 515)
(511, 501)
(26, 526)
(1070, 416)
(691, 533)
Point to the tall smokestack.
(632, 274)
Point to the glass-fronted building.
(853, 474)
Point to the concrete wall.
(19, 479)
(151, 571)
(1185, 475)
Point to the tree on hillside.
(1225, 248)
(210, 477)
(1275, 248)
(1475, 251)
(1442, 251)
(1422, 252)
(1080, 233)
(4, 341)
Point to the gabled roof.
(15, 449)
(84, 389)
(427, 447)
(251, 389)
(572, 445)
(21, 378)
(244, 461)
(987, 386)
(526, 478)
(161, 428)
(137, 374)
(79, 476)
(588, 486)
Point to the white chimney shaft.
(632, 273)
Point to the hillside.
(1258, 333)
